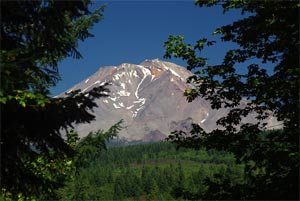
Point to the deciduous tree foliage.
(35, 36)
(267, 36)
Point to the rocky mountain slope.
(149, 98)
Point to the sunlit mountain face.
(149, 98)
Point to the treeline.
(155, 171)
(123, 155)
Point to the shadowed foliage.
(268, 51)
(35, 37)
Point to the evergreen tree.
(110, 177)
(119, 188)
(180, 177)
(35, 37)
(163, 182)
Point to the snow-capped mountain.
(149, 98)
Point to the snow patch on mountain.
(116, 106)
(146, 72)
(203, 120)
(135, 74)
(129, 107)
(123, 93)
(113, 98)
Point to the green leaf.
(3, 100)
(217, 31)
(22, 103)
(256, 82)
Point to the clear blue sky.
(133, 31)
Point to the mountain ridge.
(149, 98)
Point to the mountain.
(149, 98)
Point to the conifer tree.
(35, 37)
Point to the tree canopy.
(35, 37)
(268, 48)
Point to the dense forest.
(155, 171)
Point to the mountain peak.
(152, 60)
(148, 97)
(149, 62)
(140, 94)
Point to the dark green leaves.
(175, 46)
(35, 37)
(242, 83)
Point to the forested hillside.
(154, 172)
